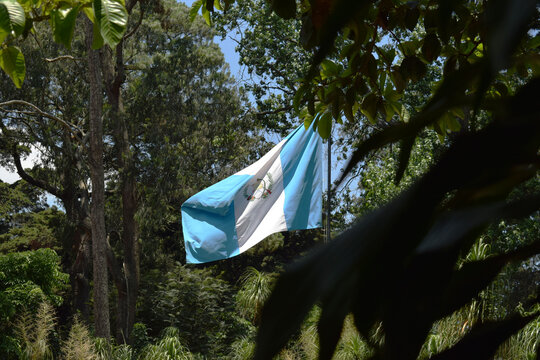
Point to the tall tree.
(126, 277)
(44, 113)
(109, 20)
(99, 236)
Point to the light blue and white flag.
(282, 191)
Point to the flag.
(281, 191)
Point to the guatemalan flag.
(281, 191)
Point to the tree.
(110, 20)
(269, 47)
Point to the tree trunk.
(99, 241)
(128, 286)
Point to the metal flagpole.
(329, 190)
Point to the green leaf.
(299, 96)
(206, 16)
(404, 114)
(194, 10)
(404, 155)
(285, 9)
(89, 13)
(329, 69)
(217, 5)
(431, 49)
(413, 68)
(12, 62)
(411, 18)
(97, 39)
(336, 106)
(111, 16)
(389, 111)
(348, 111)
(324, 127)
(11, 18)
(369, 107)
(63, 24)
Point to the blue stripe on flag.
(208, 221)
(302, 179)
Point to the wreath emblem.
(261, 191)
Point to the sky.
(10, 177)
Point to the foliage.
(268, 48)
(242, 349)
(139, 337)
(18, 197)
(169, 347)
(79, 344)
(34, 230)
(17, 20)
(34, 333)
(200, 306)
(255, 290)
(106, 350)
(26, 280)
(523, 345)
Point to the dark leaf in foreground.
(403, 254)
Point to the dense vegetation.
(432, 107)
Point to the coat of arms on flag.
(260, 189)
(281, 191)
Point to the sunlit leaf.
(194, 10)
(324, 126)
(12, 62)
(12, 18)
(206, 16)
(111, 16)
(63, 24)
(369, 107)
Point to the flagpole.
(329, 189)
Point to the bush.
(201, 307)
(26, 280)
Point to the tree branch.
(63, 57)
(31, 180)
(132, 31)
(115, 268)
(275, 111)
(77, 132)
(24, 175)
